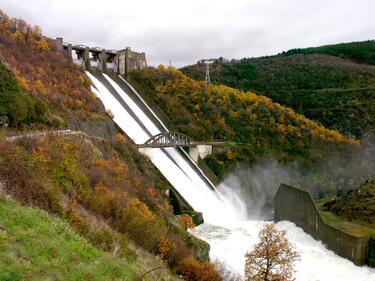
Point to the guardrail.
(43, 134)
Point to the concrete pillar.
(204, 150)
(121, 63)
(194, 153)
(68, 51)
(143, 60)
(127, 61)
(103, 61)
(58, 42)
(86, 58)
(116, 66)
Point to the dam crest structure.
(120, 62)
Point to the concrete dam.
(120, 62)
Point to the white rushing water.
(226, 229)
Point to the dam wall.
(108, 61)
(297, 206)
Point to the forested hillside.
(361, 52)
(223, 113)
(103, 187)
(306, 79)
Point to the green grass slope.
(330, 88)
(36, 246)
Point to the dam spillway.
(134, 117)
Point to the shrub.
(19, 109)
(193, 270)
(186, 221)
(142, 225)
(178, 250)
(164, 248)
(17, 173)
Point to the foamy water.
(229, 246)
(228, 234)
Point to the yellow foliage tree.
(42, 44)
(164, 246)
(142, 224)
(272, 258)
(17, 36)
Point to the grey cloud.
(185, 31)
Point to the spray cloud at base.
(255, 186)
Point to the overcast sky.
(186, 31)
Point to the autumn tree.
(272, 258)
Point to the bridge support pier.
(199, 151)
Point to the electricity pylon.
(208, 78)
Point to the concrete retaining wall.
(200, 151)
(297, 206)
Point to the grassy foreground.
(35, 246)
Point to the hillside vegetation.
(108, 192)
(361, 52)
(221, 113)
(356, 205)
(103, 187)
(44, 73)
(305, 79)
(35, 246)
(18, 110)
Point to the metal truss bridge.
(170, 139)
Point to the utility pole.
(208, 78)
